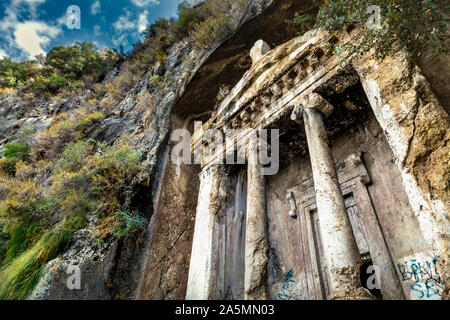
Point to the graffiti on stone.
(289, 290)
(423, 277)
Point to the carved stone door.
(231, 241)
(353, 178)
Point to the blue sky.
(31, 27)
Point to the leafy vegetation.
(71, 68)
(204, 22)
(64, 67)
(76, 61)
(128, 223)
(408, 25)
(12, 73)
(188, 17)
(13, 152)
(83, 178)
(18, 278)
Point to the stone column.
(203, 269)
(256, 236)
(340, 248)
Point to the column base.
(347, 285)
(357, 294)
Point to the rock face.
(169, 250)
(329, 256)
(95, 260)
(23, 116)
(417, 129)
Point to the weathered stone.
(341, 251)
(402, 99)
(202, 281)
(256, 237)
(411, 118)
(259, 50)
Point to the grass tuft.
(18, 278)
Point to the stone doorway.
(231, 239)
(361, 214)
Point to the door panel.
(372, 246)
(321, 264)
(357, 226)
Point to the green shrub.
(120, 157)
(157, 81)
(13, 152)
(128, 223)
(12, 73)
(78, 60)
(4, 239)
(304, 22)
(77, 219)
(188, 17)
(23, 235)
(35, 207)
(74, 156)
(213, 28)
(161, 25)
(61, 69)
(409, 25)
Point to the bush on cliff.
(58, 183)
(78, 60)
(408, 25)
(63, 68)
(13, 152)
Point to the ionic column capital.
(313, 101)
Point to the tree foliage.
(77, 60)
(188, 17)
(410, 25)
(12, 73)
(63, 68)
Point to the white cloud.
(3, 54)
(124, 23)
(29, 2)
(127, 25)
(32, 36)
(96, 7)
(144, 3)
(10, 19)
(25, 38)
(120, 40)
(143, 22)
